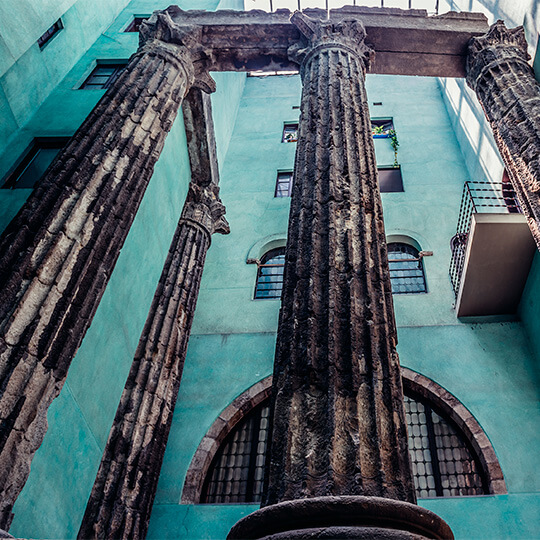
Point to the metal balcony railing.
(478, 198)
(432, 6)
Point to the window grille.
(406, 269)
(50, 33)
(443, 465)
(135, 24)
(284, 184)
(34, 162)
(103, 76)
(290, 133)
(237, 471)
(270, 274)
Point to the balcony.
(492, 251)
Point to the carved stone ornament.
(180, 41)
(498, 45)
(348, 35)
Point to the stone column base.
(342, 517)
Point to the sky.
(293, 4)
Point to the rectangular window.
(34, 162)
(284, 184)
(381, 127)
(390, 180)
(135, 24)
(290, 132)
(103, 75)
(50, 33)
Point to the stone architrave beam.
(123, 494)
(504, 82)
(58, 253)
(406, 42)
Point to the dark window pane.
(50, 33)
(35, 169)
(390, 180)
(406, 269)
(35, 162)
(103, 76)
(135, 24)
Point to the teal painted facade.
(491, 367)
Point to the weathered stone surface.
(60, 250)
(497, 70)
(407, 42)
(338, 423)
(342, 517)
(121, 500)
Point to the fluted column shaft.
(338, 422)
(121, 500)
(497, 70)
(59, 252)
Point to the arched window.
(406, 269)
(443, 463)
(270, 274)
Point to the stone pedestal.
(498, 71)
(342, 517)
(58, 253)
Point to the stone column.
(497, 70)
(126, 483)
(59, 252)
(339, 465)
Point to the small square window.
(390, 179)
(382, 128)
(290, 133)
(103, 76)
(50, 33)
(135, 24)
(34, 162)
(284, 184)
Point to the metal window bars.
(478, 198)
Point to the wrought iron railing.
(272, 5)
(478, 198)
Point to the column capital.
(204, 209)
(347, 35)
(182, 44)
(500, 44)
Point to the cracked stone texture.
(497, 70)
(121, 500)
(60, 250)
(338, 424)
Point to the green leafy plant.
(394, 143)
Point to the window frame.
(269, 255)
(27, 157)
(292, 126)
(117, 65)
(418, 258)
(50, 34)
(284, 178)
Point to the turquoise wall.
(490, 367)
(53, 501)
